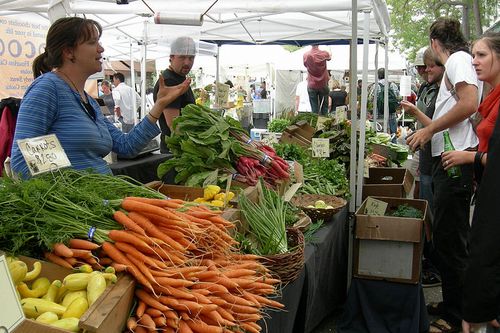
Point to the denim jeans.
(319, 100)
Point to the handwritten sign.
(375, 207)
(43, 153)
(340, 114)
(12, 313)
(270, 138)
(320, 124)
(320, 147)
(366, 169)
(222, 93)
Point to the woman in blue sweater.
(56, 102)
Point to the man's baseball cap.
(183, 46)
(419, 58)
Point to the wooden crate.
(108, 314)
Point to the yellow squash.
(51, 294)
(70, 324)
(72, 295)
(39, 288)
(77, 308)
(95, 287)
(33, 307)
(47, 317)
(76, 281)
(18, 270)
(33, 274)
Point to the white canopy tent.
(129, 29)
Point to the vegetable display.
(278, 125)
(207, 147)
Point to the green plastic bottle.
(455, 171)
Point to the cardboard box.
(108, 314)
(387, 247)
(388, 182)
(300, 133)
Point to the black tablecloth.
(384, 307)
(142, 168)
(321, 287)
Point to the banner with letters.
(20, 42)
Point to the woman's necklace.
(87, 108)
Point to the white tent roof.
(224, 21)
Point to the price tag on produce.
(375, 207)
(222, 93)
(366, 169)
(320, 124)
(43, 153)
(321, 147)
(12, 312)
(340, 114)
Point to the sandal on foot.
(435, 309)
(443, 326)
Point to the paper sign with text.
(43, 153)
(321, 147)
(222, 93)
(375, 207)
(320, 124)
(340, 114)
(12, 313)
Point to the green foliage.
(278, 125)
(411, 19)
(292, 152)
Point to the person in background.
(457, 100)
(317, 79)
(263, 90)
(56, 102)
(123, 95)
(486, 61)
(379, 88)
(481, 283)
(302, 103)
(336, 97)
(182, 54)
(107, 96)
(423, 111)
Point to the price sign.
(366, 168)
(320, 147)
(320, 124)
(43, 153)
(340, 115)
(222, 93)
(12, 313)
(375, 207)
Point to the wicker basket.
(304, 200)
(287, 266)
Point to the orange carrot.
(57, 260)
(131, 323)
(212, 287)
(201, 327)
(171, 314)
(118, 267)
(83, 244)
(236, 273)
(163, 280)
(62, 250)
(268, 302)
(72, 261)
(129, 249)
(152, 230)
(171, 323)
(141, 308)
(184, 327)
(142, 268)
(127, 237)
(142, 207)
(105, 261)
(147, 322)
(159, 321)
(127, 222)
(171, 203)
(120, 258)
(150, 300)
(233, 299)
(79, 253)
(248, 327)
(140, 329)
(154, 312)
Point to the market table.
(321, 287)
(142, 168)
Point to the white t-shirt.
(458, 69)
(301, 91)
(122, 95)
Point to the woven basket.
(304, 200)
(287, 266)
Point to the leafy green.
(278, 125)
(405, 210)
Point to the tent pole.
(217, 69)
(353, 100)
(386, 89)
(132, 80)
(364, 98)
(375, 88)
(143, 70)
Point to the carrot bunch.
(79, 252)
(190, 277)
